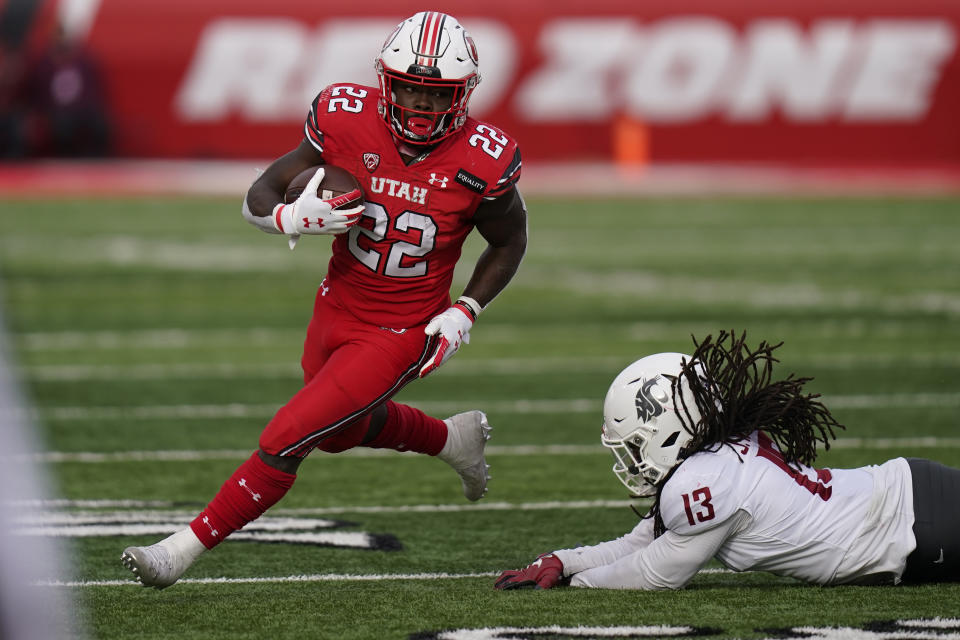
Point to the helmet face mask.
(627, 466)
(641, 423)
(433, 52)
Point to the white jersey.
(744, 505)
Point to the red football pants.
(350, 368)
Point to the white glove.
(453, 328)
(311, 215)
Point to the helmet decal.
(428, 46)
(471, 48)
(391, 37)
(650, 400)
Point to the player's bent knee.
(346, 439)
(287, 464)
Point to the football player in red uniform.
(383, 315)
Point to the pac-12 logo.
(371, 161)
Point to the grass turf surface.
(168, 325)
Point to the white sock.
(185, 543)
(448, 446)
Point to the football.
(338, 184)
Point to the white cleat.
(467, 435)
(155, 566)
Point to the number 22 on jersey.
(403, 259)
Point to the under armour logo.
(324, 289)
(213, 532)
(317, 222)
(255, 496)
(435, 179)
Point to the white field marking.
(753, 293)
(140, 372)
(170, 511)
(175, 519)
(63, 503)
(316, 577)
(518, 366)
(155, 339)
(457, 508)
(129, 251)
(497, 334)
(194, 455)
(501, 366)
(241, 410)
(517, 407)
(61, 524)
(927, 623)
(357, 540)
(756, 293)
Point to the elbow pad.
(264, 223)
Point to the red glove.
(546, 572)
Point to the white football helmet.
(640, 421)
(431, 49)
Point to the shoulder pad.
(352, 99)
(491, 160)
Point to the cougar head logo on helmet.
(650, 400)
(640, 421)
(432, 52)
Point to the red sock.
(252, 489)
(409, 429)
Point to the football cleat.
(467, 435)
(156, 566)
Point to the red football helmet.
(433, 50)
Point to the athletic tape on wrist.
(277, 220)
(472, 305)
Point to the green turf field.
(156, 337)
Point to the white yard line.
(192, 455)
(316, 577)
(167, 509)
(175, 371)
(148, 339)
(514, 366)
(544, 406)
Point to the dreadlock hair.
(733, 389)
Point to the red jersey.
(395, 266)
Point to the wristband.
(472, 305)
(277, 217)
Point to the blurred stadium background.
(634, 101)
(613, 96)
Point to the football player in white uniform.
(726, 452)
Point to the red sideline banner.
(797, 82)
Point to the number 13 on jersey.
(699, 499)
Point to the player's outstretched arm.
(543, 573)
(503, 224)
